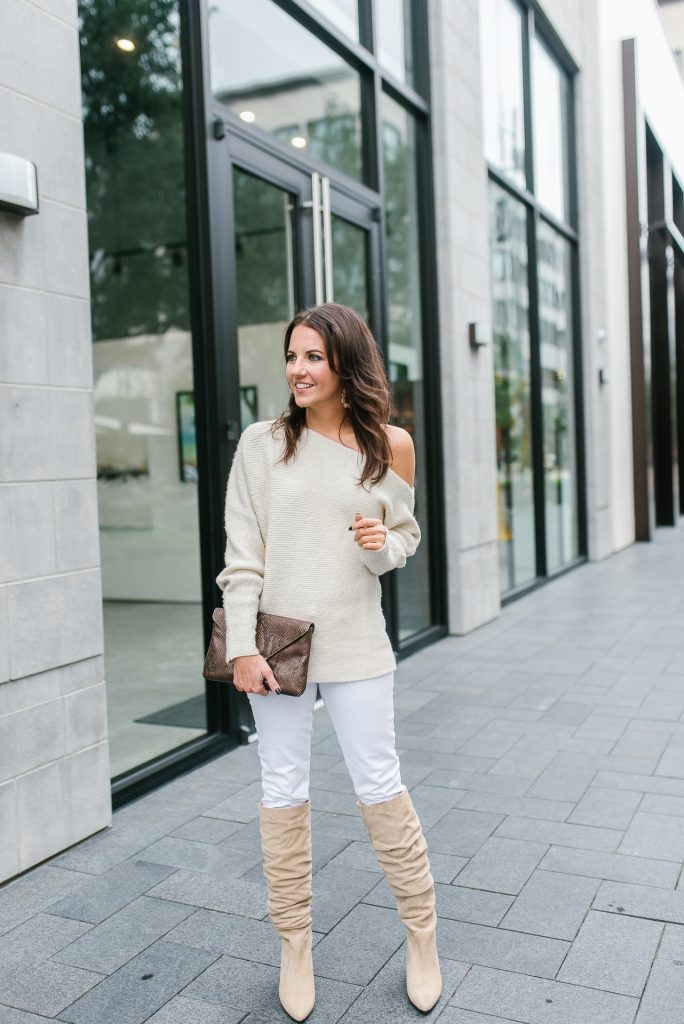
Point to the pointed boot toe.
(296, 989)
(423, 975)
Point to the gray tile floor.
(545, 753)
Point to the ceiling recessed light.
(298, 141)
(248, 115)
(127, 45)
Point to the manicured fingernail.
(279, 690)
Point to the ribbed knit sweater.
(289, 550)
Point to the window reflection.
(278, 77)
(264, 258)
(143, 381)
(350, 265)
(394, 38)
(550, 133)
(556, 352)
(502, 87)
(405, 339)
(510, 318)
(343, 13)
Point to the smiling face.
(307, 364)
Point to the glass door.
(297, 239)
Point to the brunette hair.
(353, 354)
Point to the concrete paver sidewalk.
(545, 754)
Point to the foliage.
(133, 130)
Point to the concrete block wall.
(462, 228)
(577, 26)
(54, 765)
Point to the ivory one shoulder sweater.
(289, 550)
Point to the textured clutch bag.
(285, 643)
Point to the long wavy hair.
(353, 354)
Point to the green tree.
(133, 131)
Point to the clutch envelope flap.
(282, 630)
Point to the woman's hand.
(253, 674)
(370, 533)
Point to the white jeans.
(362, 713)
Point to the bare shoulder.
(403, 460)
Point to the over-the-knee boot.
(286, 846)
(401, 850)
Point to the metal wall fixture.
(604, 371)
(477, 335)
(18, 185)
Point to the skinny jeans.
(362, 713)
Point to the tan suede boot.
(401, 850)
(286, 845)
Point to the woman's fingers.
(270, 680)
(370, 533)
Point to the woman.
(292, 498)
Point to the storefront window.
(512, 388)
(550, 121)
(556, 354)
(533, 305)
(405, 338)
(342, 13)
(147, 466)
(394, 38)
(501, 29)
(278, 77)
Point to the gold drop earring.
(343, 399)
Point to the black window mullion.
(420, 47)
(527, 40)
(371, 130)
(354, 53)
(582, 538)
(532, 270)
(573, 212)
(537, 410)
(403, 93)
(366, 33)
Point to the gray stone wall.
(54, 766)
(464, 297)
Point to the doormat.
(188, 714)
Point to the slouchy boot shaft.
(286, 846)
(401, 850)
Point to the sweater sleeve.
(402, 539)
(242, 579)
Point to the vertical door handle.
(327, 239)
(318, 254)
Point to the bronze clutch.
(285, 643)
